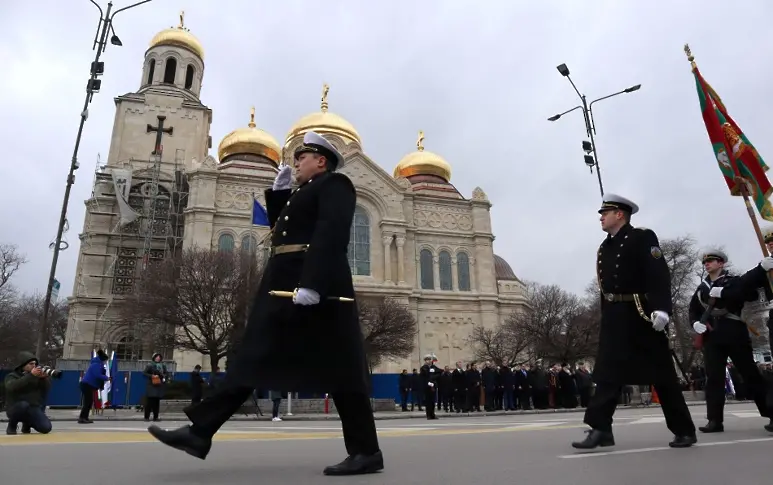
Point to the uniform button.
(284, 233)
(618, 255)
(616, 266)
(287, 218)
(288, 202)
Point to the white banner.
(122, 183)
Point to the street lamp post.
(590, 124)
(92, 86)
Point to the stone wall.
(299, 406)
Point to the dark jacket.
(24, 387)
(95, 376)
(314, 348)
(632, 263)
(155, 390)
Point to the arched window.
(225, 243)
(128, 349)
(463, 271)
(170, 70)
(189, 76)
(151, 71)
(444, 271)
(359, 243)
(249, 244)
(427, 270)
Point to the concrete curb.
(379, 417)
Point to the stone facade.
(418, 240)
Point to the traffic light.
(589, 159)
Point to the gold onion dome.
(324, 122)
(422, 162)
(179, 37)
(249, 140)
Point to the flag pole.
(739, 180)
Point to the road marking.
(592, 454)
(649, 420)
(747, 414)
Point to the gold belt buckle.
(610, 297)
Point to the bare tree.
(389, 329)
(19, 324)
(10, 262)
(559, 326)
(193, 301)
(504, 344)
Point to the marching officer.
(769, 243)
(725, 334)
(635, 287)
(311, 341)
(430, 375)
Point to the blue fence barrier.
(129, 388)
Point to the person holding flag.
(93, 381)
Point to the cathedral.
(414, 238)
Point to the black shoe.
(683, 441)
(11, 429)
(594, 439)
(183, 439)
(769, 426)
(26, 429)
(357, 465)
(85, 421)
(712, 427)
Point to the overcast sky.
(479, 79)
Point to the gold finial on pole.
(182, 20)
(690, 57)
(325, 90)
(251, 124)
(420, 141)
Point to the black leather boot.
(183, 439)
(594, 439)
(357, 465)
(11, 429)
(769, 426)
(683, 441)
(712, 427)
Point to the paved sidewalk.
(133, 415)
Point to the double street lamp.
(589, 147)
(92, 86)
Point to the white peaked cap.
(616, 202)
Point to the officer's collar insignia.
(656, 252)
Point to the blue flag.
(259, 214)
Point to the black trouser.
(715, 355)
(460, 400)
(88, 399)
(152, 404)
(429, 402)
(404, 398)
(275, 407)
(585, 396)
(603, 404)
(30, 417)
(359, 427)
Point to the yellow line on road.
(113, 437)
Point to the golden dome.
(422, 162)
(179, 37)
(324, 122)
(250, 140)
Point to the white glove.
(431, 384)
(699, 327)
(659, 320)
(283, 179)
(767, 263)
(716, 292)
(305, 296)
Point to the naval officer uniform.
(311, 341)
(635, 289)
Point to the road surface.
(532, 449)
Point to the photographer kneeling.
(25, 391)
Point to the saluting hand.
(767, 263)
(283, 179)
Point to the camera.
(50, 372)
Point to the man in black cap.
(303, 332)
(725, 334)
(635, 286)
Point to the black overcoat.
(316, 348)
(630, 350)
